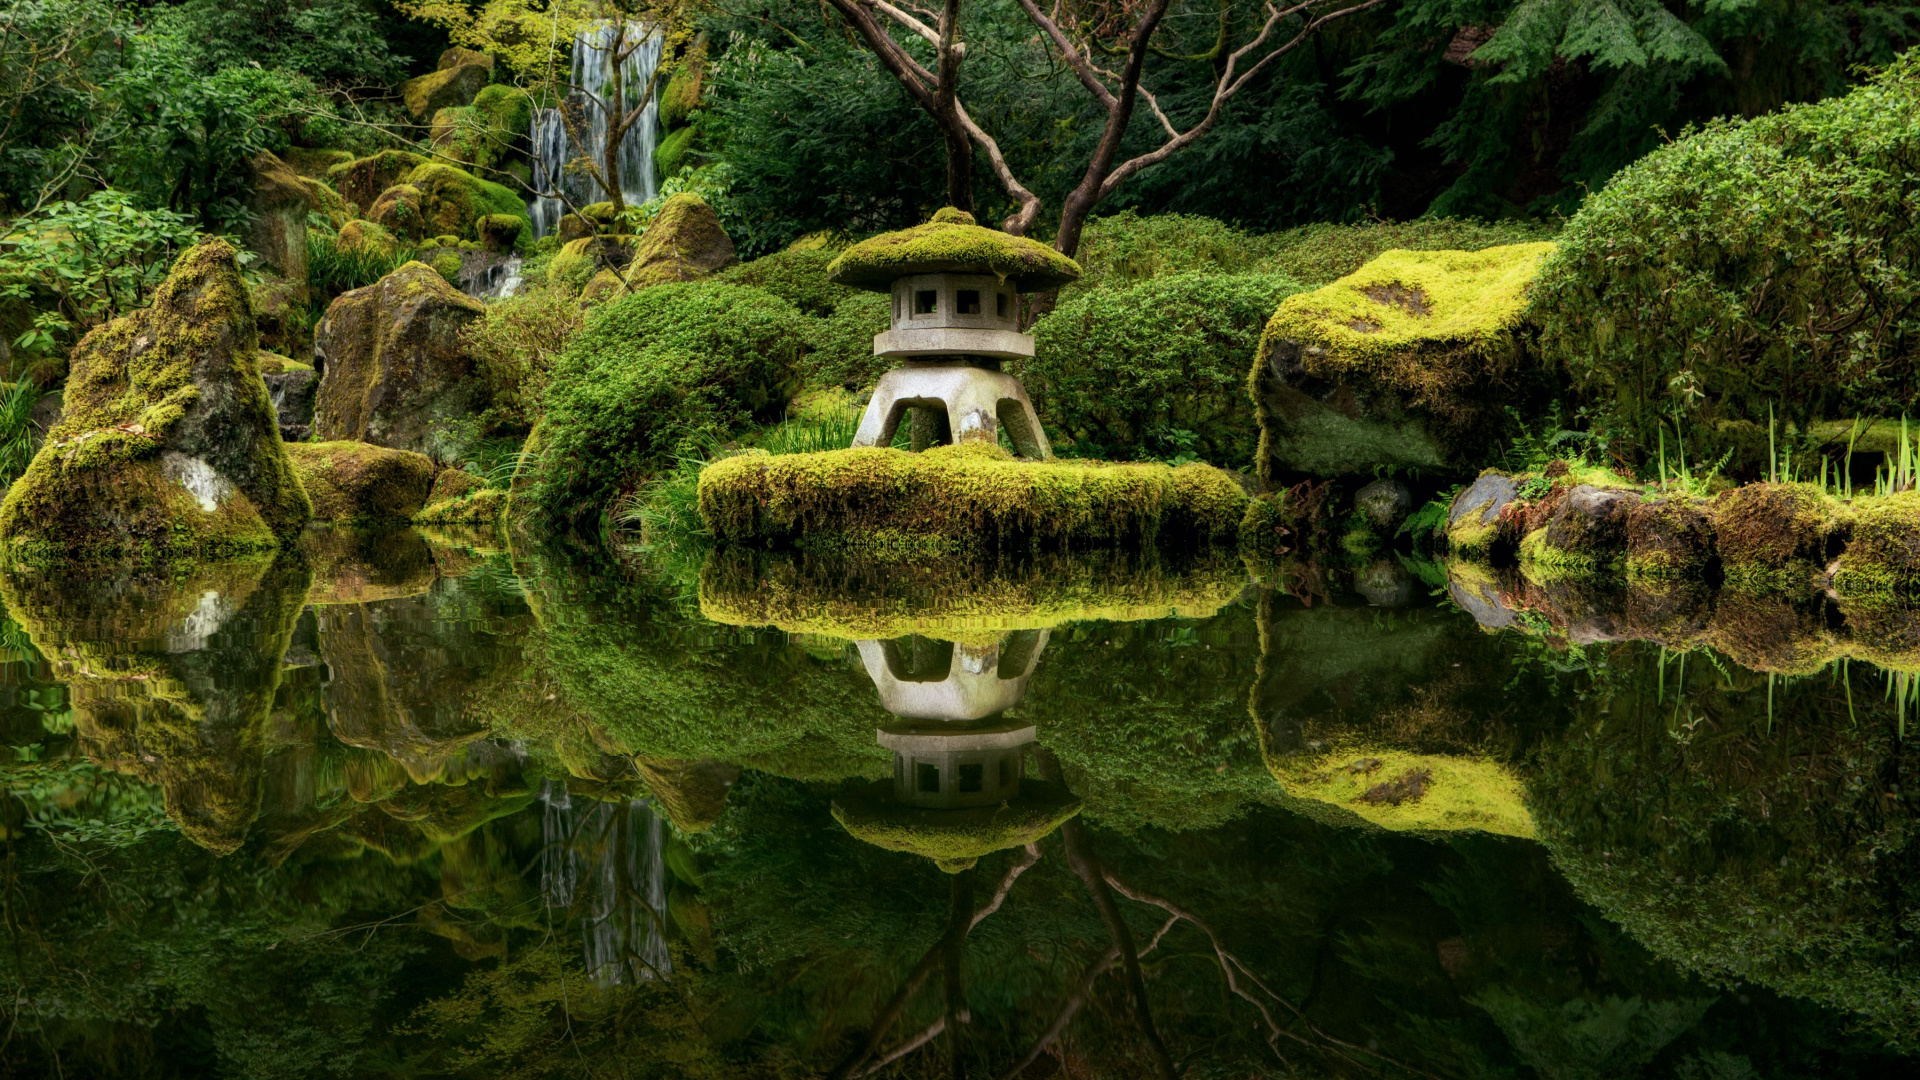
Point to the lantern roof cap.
(951, 243)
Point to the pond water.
(441, 805)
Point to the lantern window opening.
(929, 778)
(1000, 304)
(972, 776)
(925, 301)
(967, 302)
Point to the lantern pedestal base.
(953, 402)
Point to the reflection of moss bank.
(953, 600)
(1742, 827)
(954, 839)
(966, 496)
(171, 681)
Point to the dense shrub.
(1318, 254)
(1156, 369)
(663, 371)
(1771, 264)
(798, 277)
(515, 344)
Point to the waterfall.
(592, 72)
(607, 862)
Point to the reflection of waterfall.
(592, 73)
(606, 862)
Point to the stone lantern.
(955, 317)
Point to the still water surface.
(428, 805)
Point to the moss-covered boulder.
(970, 496)
(1411, 792)
(602, 287)
(1670, 537)
(579, 261)
(485, 506)
(955, 839)
(681, 97)
(361, 483)
(440, 200)
(951, 243)
(394, 370)
(462, 74)
(169, 445)
(1586, 529)
(684, 243)
(503, 232)
(485, 134)
(1411, 361)
(1882, 556)
(277, 225)
(1773, 531)
(362, 235)
(1474, 517)
(362, 180)
(692, 794)
(313, 163)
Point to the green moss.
(973, 494)
(447, 265)
(477, 508)
(1322, 253)
(578, 261)
(1669, 538)
(663, 371)
(503, 232)
(360, 482)
(954, 839)
(168, 395)
(1882, 557)
(1774, 532)
(313, 163)
(1156, 369)
(484, 135)
(797, 276)
(677, 151)
(275, 364)
(358, 234)
(436, 200)
(952, 243)
(463, 74)
(680, 99)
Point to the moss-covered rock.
(602, 287)
(291, 387)
(1882, 556)
(484, 134)
(1474, 518)
(462, 74)
(1411, 792)
(503, 232)
(577, 261)
(684, 243)
(1670, 537)
(1410, 361)
(363, 235)
(169, 444)
(1586, 531)
(1765, 531)
(679, 149)
(395, 371)
(361, 483)
(952, 243)
(277, 226)
(452, 483)
(692, 794)
(974, 495)
(955, 839)
(313, 163)
(440, 200)
(359, 566)
(681, 97)
(483, 507)
(362, 180)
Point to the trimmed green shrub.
(1157, 369)
(798, 277)
(1766, 264)
(661, 372)
(846, 319)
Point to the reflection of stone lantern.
(955, 317)
(958, 789)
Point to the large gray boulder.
(393, 369)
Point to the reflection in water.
(604, 860)
(425, 801)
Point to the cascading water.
(607, 863)
(593, 66)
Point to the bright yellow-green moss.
(954, 839)
(479, 507)
(1410, 301)
(684, 242)
(952, 243)
(955, 601)
(274, 364)
(1408, 792)
(363, 179)
(313, 163)
(974, 495)
(360, 482)
(1882, 557)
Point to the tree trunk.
(947, 113)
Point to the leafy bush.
(1772, 263)
(798, 277)
(1125, 249)
(84, 263)
(333, 269)
(1156, 370)
(658, 374)
(1318, 254)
